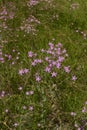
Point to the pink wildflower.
(54, 74)
(21, 72)
(76, 125)
(24, 107)
(73, 114)
(27, 93)
(31, 92)
(74, 78)
(47, 69)
(15, 124)
(67, 69)
(38, 78)
(33, 63)
(20, 88)
(79, 129)
(26, 70)
(31, 108)
(6, 110)
(84, 110)
(61, 59)
(42, 50)
(30, 54)
(58, 65)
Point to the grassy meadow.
(43, 65)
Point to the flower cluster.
(6, 15)
(51, 61)
(12, 57)
(29, 25)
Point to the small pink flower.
(24, 107)
(50, 44)
(1, 59)
(59, 45)
(31, 108)
(61, 59)
(76, 125)
(38, 124)
(42, 50)
(2, 93)
(21, 72)
(47, 58)
(36, 60)
(30, 54)
(53, 62)
(58, 65)
(79, 129)
(13, 63)
(64, 51)
(67, 69)
(15, 124)
(73, 114)
(20, 88)
(26, 70)
(74, 78)
(6, 110)
(84, 110)
(13, 50)
(38, 78)
(27, 93)
(58, 50)
(17, 57)
(33, 63)
(9, 57)
(31, 92)
(50, 65)
(18, 53)
(54, 74)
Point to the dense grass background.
(61, 21)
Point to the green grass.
(54, 98)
